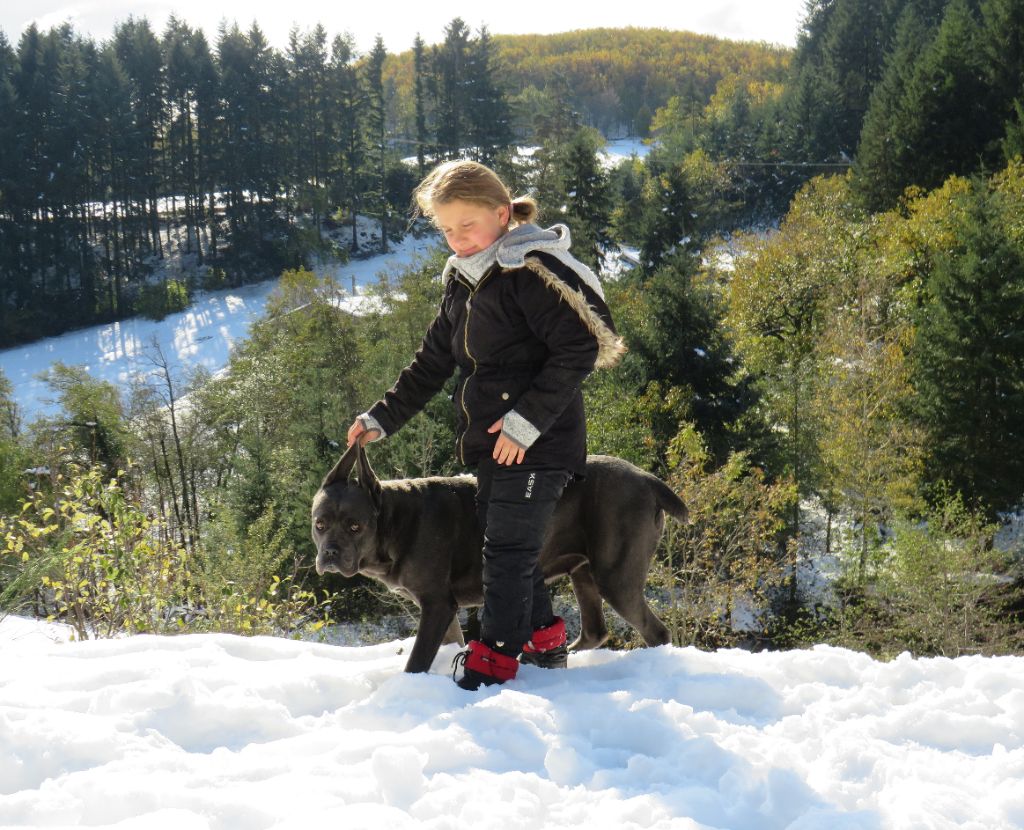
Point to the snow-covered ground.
(614, 151)
(202, 335)
(622, 148)
(222, 732)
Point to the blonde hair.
(470, 181)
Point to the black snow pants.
(514, 504)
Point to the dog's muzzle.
(329, 559)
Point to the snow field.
(216, 731)
(201, 335)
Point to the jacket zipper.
(465, 345)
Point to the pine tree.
(140, 55)
(307, 70)
(376, 125)
(251, 152)
(1002, 38)
(487, 113)
(8, 173)
(853, 58)
(680, 339)
(666, 218)
(947, 105)
(208, 119)
(939, 124)
(350, 100)
(588, 200)
(420, 104)
(882, 158)
(184, 61)
(72, 181)
(115, 142)
(449, 68)
(968, 367)
(1002, 41)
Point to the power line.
(841, 165)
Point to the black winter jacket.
(522, 338)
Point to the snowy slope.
(202, 335)
(222, 732)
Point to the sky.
(398, 21)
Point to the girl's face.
(469, 227)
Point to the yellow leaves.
(101, 564)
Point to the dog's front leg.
(435, 617)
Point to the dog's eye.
(319, 525)
(354, 527)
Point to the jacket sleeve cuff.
(369, 422)
(516, 427)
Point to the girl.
(524, 322)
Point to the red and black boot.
(483, 666)
(546, 647)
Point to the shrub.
(723, 567)
(89, 556)
(940, 588)
(157, 301)
(242, 590)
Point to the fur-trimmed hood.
(577, 284)
(591, 310)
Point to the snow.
(217, 731)
(202, 335)
(614, 151)
(617, 150)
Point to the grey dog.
(421, 538)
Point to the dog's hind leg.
(435, 620)
(593, 631)
(638, 614)
(626, 596)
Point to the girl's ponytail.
(524, 210)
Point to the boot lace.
(459, 660)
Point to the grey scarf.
(510, 251)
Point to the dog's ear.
(343, 469)
(368, 478)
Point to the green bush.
(723, 568)
(89, 556)
(243, 589)
(214, 279)
(940, 587)
(157, 301)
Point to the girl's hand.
(358, 432)
(506, 451)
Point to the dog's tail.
(667, 500)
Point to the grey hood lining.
(513, 247)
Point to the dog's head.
(344, 516)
